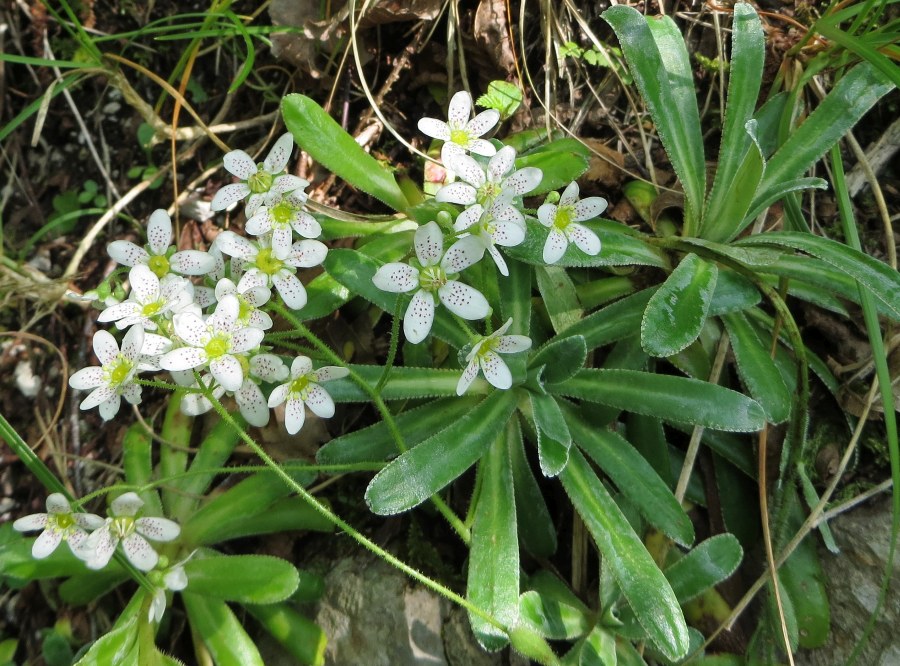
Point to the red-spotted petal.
(105, 347)
(306, 225)
(294, 415)
(524, 180)
(127, 253)
(419, 316)
(45, 544)
(462, 254)
(555, 247)
(458, 193)
(139, 552)
(481, 147)
(463, 300)
(227, 371)
(511, 344)
(228, 195)
(319, 402)
(290, 289)
(144, 284)
(501, 163)
(569, 195)
(190, 328)
(459, 110)
(585, 239)
(87, 378)
(589, 208)
(429, 244)
(306, 254)
(468, 376)
(436, 129)
(159, 231)
(483, 123)
(246, 339)
(240, 164)
(158, 529)
(252, 404)
(468, 217)
(495, 370)
(278, 157)
(184, 358)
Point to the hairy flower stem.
(374, 394)
(226, 416)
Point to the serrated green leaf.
(561, 357)
(404, 383)
(221, 632)
(757, 369)
(247, 579)
(670, 398)
(537, 531)
(614, 322)
(705, 566)
(419, 473)
(493, 578)
(561, 162)
(559, 297)
(675, 314)
(643, 584)
(326, 142)
(633, 476)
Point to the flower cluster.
(199, 315)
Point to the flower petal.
(159, 231)
(586, 240)
(436, 129)
(98, 549)
(569, 195)
(36, 521)
(419, 316)
(252, 278)
(319, 402)
(458, 193)
(589, 208)
(45, 544)
(268, 367)
(546, 214)
(330, 372)
(292, 184)
(119, 311)
(511, 344)
(252, 404)
(481, 147)
(281, 242)
(501, 163)
(495, 370)
(524, 180)
(139, 552)
(466, 168)
(483, 123)
(507, 213)
(462, 254)
(278, 395)
(450, 152)
(58, 504)
(227, 310)
(302, 365)
(508, 234)
(240, 164)
(190, 328)
(290, 289)
(306, 225)
(555, 246)
(429, 243)
(89, 521)
(396, 278)
(463, 300)
(132, 393)
(105, 347)
(228, 195)
(468, 376)
(184, 358)
(97, 397)
(246, 339)
(460, 109)
(468, 217)
(260, 223)
(127, 253)
(236, 246)
(127, 504)
(294, 415)
(144, 284)
(87, 378)
(278, 157)
(192, 262)
(227, 371)
(133, 343)
(158, 529)
(498, 260)
(306, 254)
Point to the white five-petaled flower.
(485, 356)
(150, 298)
(172, 578)
(281, 219)
(216, 343)
(436, 273)
(261, 182)
(562, 220)
(501, 224)
(123, 527)
(114, 378)
(60, 523)
(482, 187)
(459, 133)
(264, 269)
(250, 399)
(250, 300)
(159, 237)
(303, 389)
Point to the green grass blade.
(827, 28)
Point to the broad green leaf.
(561, 162)
(559, 297)
(537, 531)
(633, 476)
(561, 357)
(748, 52)
(643, 584)
(614, 322)
(326, 142)
(620, 247)
(705, 566)
(733, 293)
(854, 94)
(515, 298)
(879, 278)
(302, 637)
(553, 438)
(283, 515)
(777, 192)
(375, 443)
(221, 632)
(115, 646)
(405, 383)
(649, 438)
(419, 473)
(137, 460)
(676, 312)
(659, 63)
(757, 368)
(553, 618)
(598, 648)
(248, 579)
(493, 577)
(17, 562)
(87, 586)
(670, 398)
(753, 257)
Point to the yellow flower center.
(267, 262)
(60, 521)
(122, 526)
(244, 310)
(218, 345)
(459, 136)
(282, 213)
(151, 308)
(488, 192)
(119, 371)
(563, 217)
(432, 278)
(159, 265)
(300, 386)
(261, 181)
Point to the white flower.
(483, 187)
(123, 527)
(459, 133)
(172, 578)
(250, 399)
(114, 378)
(303, 389)
(60, 523)
(159, 237)
(150, 299)
(437, 273)
(501, 224)
(195, 403)
(261, 182)
(280, 219)
(250, 299)
(215, 343)
(562, 221)
(264, 269)
(485, 356)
